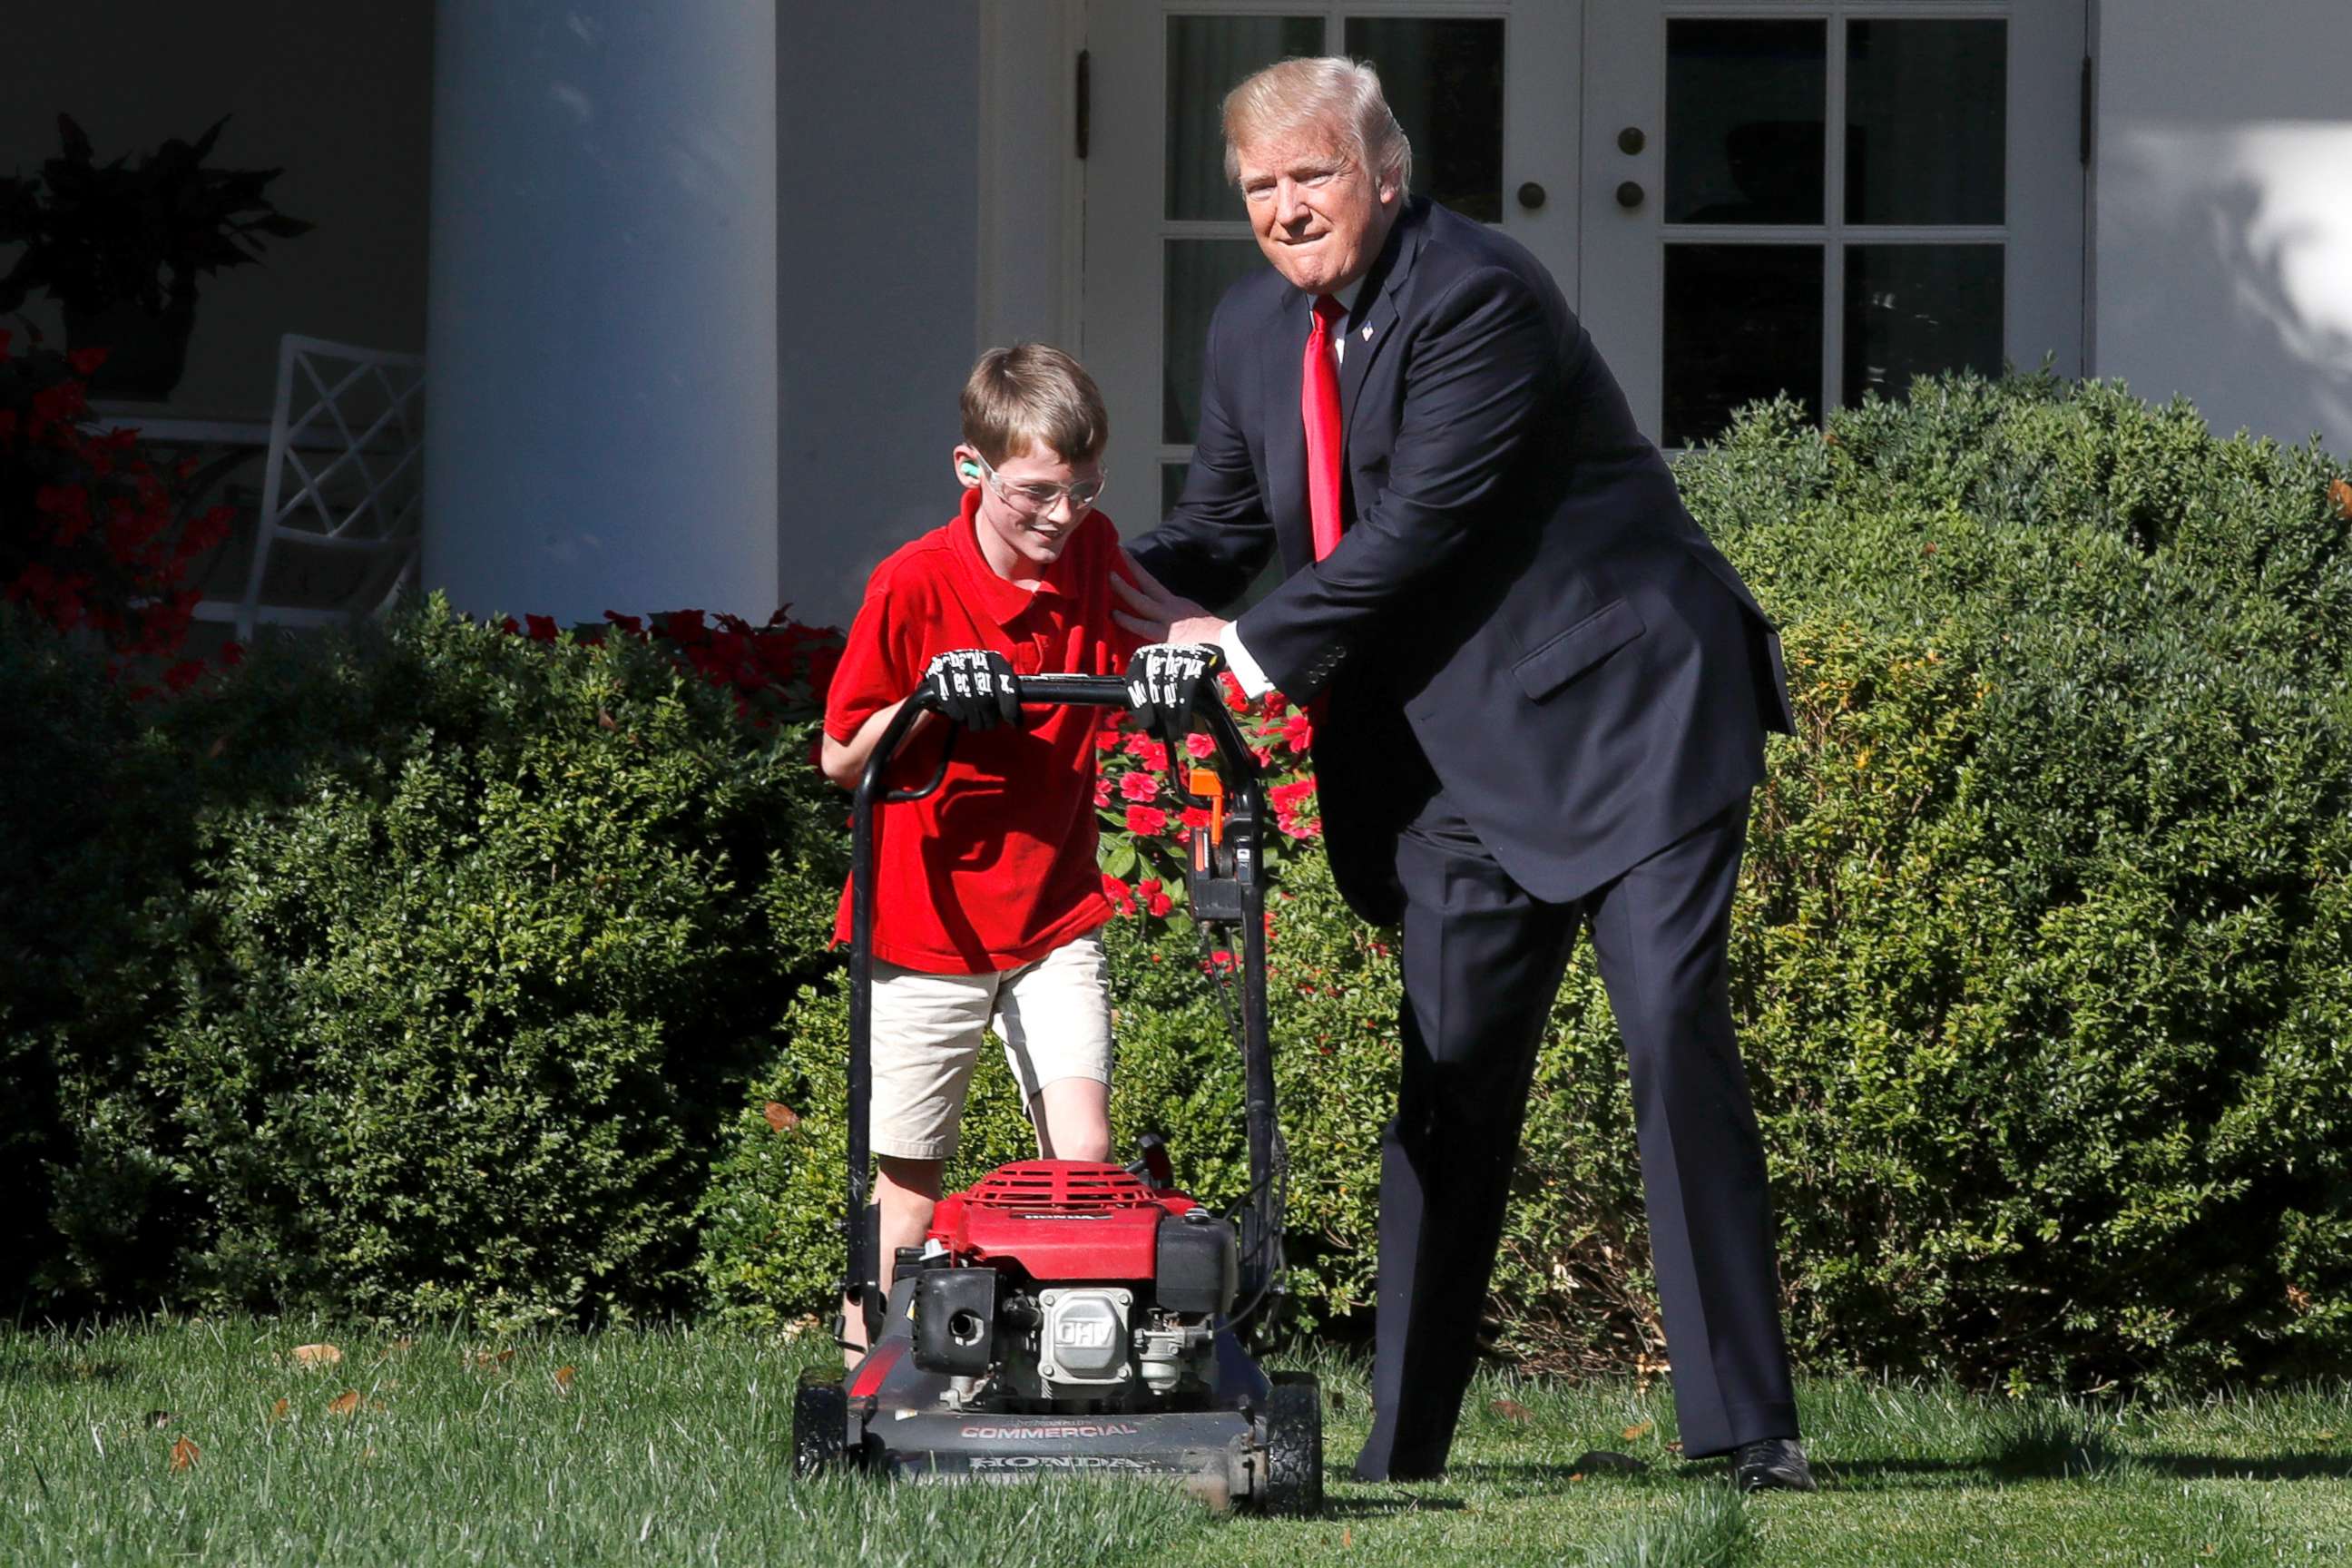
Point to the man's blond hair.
(1328, 95)
(1033, 394)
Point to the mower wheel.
(1294, 1444)
(819, 1423)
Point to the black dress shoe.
(1772, 1465)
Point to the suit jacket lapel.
(1281, 362)
(1369, 337)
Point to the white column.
(601, 320)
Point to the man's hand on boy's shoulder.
(1161, 680)
(975, 687)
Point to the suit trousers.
(1482, 962)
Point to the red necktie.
(1318, 406)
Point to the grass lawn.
(208, 1443)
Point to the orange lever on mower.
(1208, 784)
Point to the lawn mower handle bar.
(1244, 823)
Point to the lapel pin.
(1368, 332)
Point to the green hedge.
(458, 969)
(2040, 955)
(452, 944)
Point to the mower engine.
(1068, 1285)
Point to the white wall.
(877, 108)
(2223, 210)
(341, 96)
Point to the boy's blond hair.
(1033, 394)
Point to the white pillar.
(601, 318)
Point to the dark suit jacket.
(1519, 586)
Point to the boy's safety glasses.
(1037, 495)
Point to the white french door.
(1827, 197)
(1744, 197)
(1486, 90)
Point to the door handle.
(1629, 195)
(1531, 195)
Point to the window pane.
(1207, 57)
(1445, 82)
(1199, 271)
(1912, 308)
(1743, 322)
(1926, 107)
(1745, 107)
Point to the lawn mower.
(1070, 1317)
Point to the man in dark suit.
(1544, 694)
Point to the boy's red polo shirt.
(997, 869)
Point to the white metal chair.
(336, 532)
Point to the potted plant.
(120, 247)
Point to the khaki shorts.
(1052, 1014)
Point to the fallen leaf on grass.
(280, 1410)
(781, 1117)
(317, 1355)
(183, 1454)
(1512, 1410)
(563, 1376)
(344, 1403)
(1346, 1538)
(1636, 1433)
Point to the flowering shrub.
(1147, 818)
(90, 541)
(775, 674)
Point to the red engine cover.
(1059, 1219)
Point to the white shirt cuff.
(1244, 668)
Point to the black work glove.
(1162, 681)
(974, 687)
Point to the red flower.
(1151, 754)
(626, 622)
(85, 361)
(185, 674)
(1138, 786)
(1121, 896)
(1299, 731)
(683, 626)
(509, 627)
(1196, 816)
(1146, 820)
(1198, 746)
(1153, 898)
(1274, 703)
(58, 400)
(68, 506)
(1102, 791)
(542, 627)
(1106, 738)
(1233, 690)
(232, 654)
